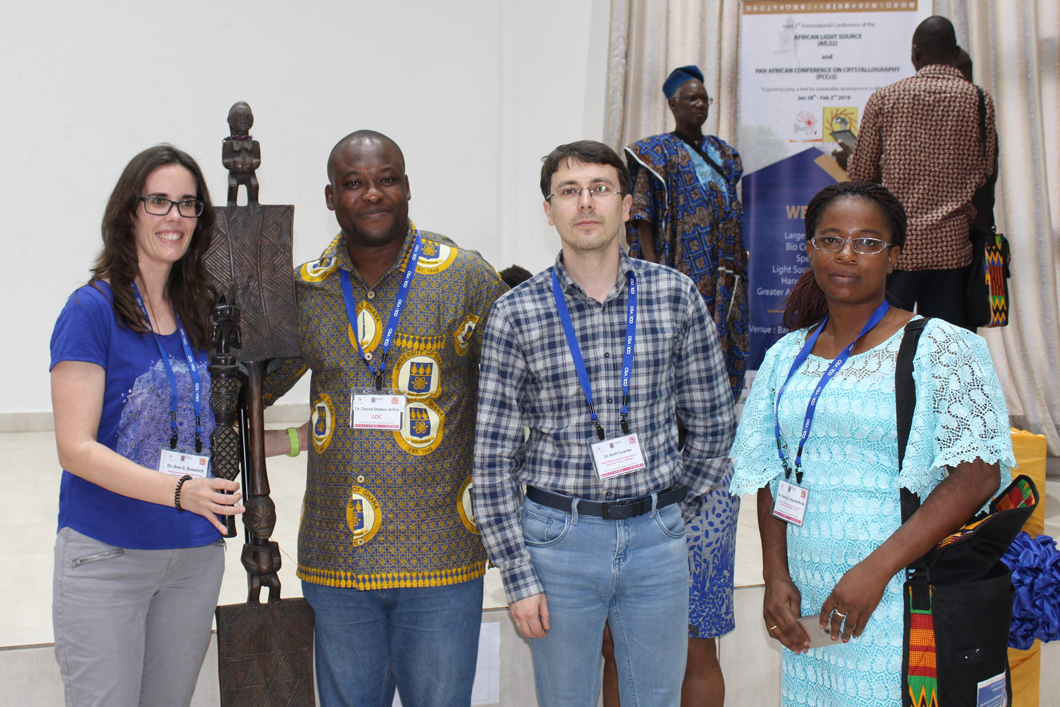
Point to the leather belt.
(611, 510)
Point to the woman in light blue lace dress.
(845, 561)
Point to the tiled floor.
(29, 478)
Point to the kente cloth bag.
(958, 597)
(986, 304)
(986, 296)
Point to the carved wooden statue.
(264, 650)
(241, 154)
(225, 383)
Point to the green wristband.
(292, 435)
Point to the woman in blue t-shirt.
(139, 554)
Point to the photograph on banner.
(806, 71)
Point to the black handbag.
(987, 296)
(958, 597)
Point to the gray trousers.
(132, 626)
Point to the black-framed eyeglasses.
(572, 193)
(160, 206)
(864, 246)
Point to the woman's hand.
(782, 606)
(848, 608)
(205, 497)
(783, 602)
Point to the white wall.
(475, 92)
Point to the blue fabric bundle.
(1035, 565)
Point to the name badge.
(790, 503)
(376, 409)
(618, 456)
(177, 463)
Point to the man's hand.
(842, 156)
(531, 616)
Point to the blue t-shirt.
(135, 422)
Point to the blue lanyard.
(811, 407)
(196, 378)
(395, 313)
(576, 352)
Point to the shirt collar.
(342, 256)
(625, 265)
(940, 71)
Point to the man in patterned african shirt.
(388, 551)
(686, 212)
(921, 138)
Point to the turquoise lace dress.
(851, 470)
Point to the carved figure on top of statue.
(241, 154)
(250, 258)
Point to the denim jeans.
(632, 573)
(426, 638)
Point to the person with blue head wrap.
(678, 77)
(687, 214)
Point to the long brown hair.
(806, 305)
(189, 289)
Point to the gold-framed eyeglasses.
(692, 100)
(865, 246)
(160, 206)
(571, 194)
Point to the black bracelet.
(176, 492)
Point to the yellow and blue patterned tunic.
(388, 509)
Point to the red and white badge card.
(790, 504)
(177, 463)
(376, 409)
(618, 456)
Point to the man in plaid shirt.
(598, 357)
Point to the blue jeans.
(425, 637)
(632, 573)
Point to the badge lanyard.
(196, 378)
(576, 352)
(811, 407)
(395, 314)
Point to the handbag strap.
(905, 403)
(905, 390)
(982, 117)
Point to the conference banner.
(806, 71)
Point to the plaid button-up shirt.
(527, 379)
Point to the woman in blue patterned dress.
(845, 561)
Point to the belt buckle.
(603, 510)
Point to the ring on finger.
(771, 628)
(839, 613)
